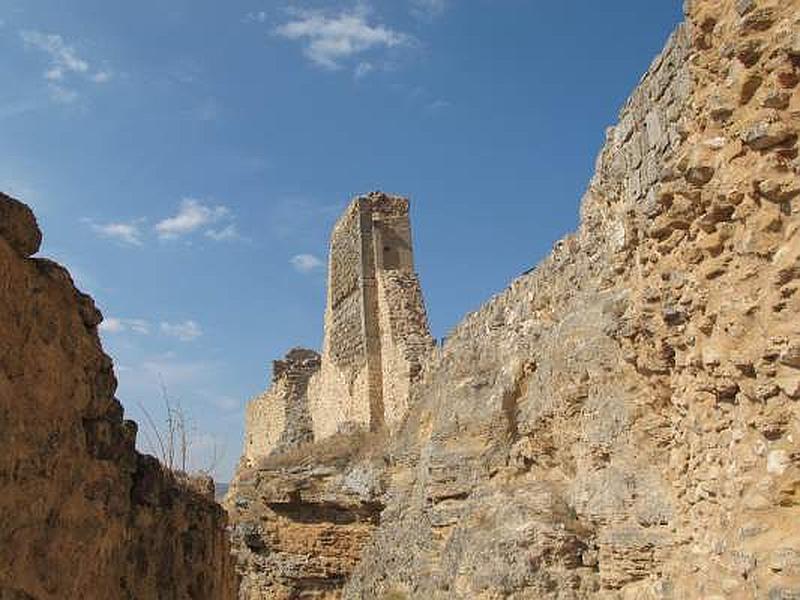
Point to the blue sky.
(187, 159)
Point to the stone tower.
(376, 336)
(376, 329)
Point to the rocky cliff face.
(301, 519)
(623, 421)
(82, 514)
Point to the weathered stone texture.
(82, 514)
(299, 531)
(302, 518)
(621, 422)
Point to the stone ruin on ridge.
(376, 335)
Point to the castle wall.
(376, 335)
(265, 420)
(280, 418)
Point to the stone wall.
(280, 418)
(82, 514)
(305, 503)
(623, 421)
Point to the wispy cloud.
(126, 233)
(192, 216)
(438, 105)
(330, 40)
(229, 232)
(185, 331)
(118, 325)
(259, 16)
(427, 10)
(170, 369)
(306, 263)
(102, 76)
(65, 65)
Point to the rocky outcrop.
(82, 514)
(302, 518)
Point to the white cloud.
(139, 326)
(64, 63)
(112, 325)
(306, 263)
(126, 233)
(63, 58)
(175, 372)
(61, 94)
(229, 232)
(118, 325)
(102, 76)
(329, 40)
(186, 331)
(427, 10)
(192, 215)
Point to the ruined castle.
(622, 421)
(376, 336)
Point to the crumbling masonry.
(376, 335)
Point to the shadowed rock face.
(622, 422)
(82, 514)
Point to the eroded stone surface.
(302, 518)
(18, 226)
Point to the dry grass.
(337, 449)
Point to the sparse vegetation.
(339, 448)
(171, 443)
